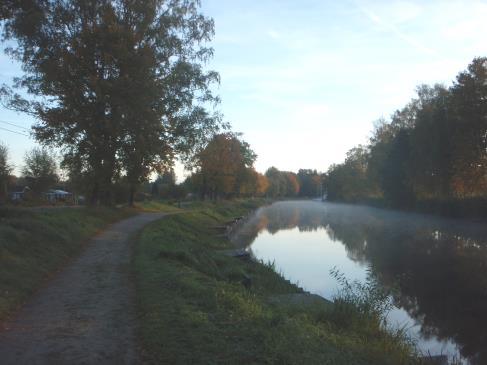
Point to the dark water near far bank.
(438, 266)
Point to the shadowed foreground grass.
(194, 308)
(33, 244)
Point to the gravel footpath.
(86, 314)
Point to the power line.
(13, 124)
(9, 130)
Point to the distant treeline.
(224, 169)
(431, 155)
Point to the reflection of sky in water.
(306, 257)
(399, 318)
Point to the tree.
(292, 184)
(5, 171)
(165, 184)
(224, 166)
(309, 182)
(155, 189)
(277, 182)
(433, 148)
(469, 103)
(118, 85)
(262, 185)
(40, 170)
(168, 177)
(432, 145)
(395, 176)
(349, 181)
(248, 182)
(282, 183)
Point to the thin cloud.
(395, 30)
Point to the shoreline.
(186, 285)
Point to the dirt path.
(86, 314)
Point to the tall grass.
(367, 299)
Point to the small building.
(54, 196)
(19, 193)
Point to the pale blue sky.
(304, 80)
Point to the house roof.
(58, 192)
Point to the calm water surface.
(437, 266)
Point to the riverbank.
(35, 244)
(197, 304)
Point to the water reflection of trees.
(439, 266)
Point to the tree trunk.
(131, 195)
(107, 188)
(107, 197)
(94, 194)
(4, 193)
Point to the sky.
(304, 80)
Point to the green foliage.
(309, 183)
(434, 149)
(165, 187)
(349, 181)
(395, 177)
(277, 182)
(118, 85)
(157, 206)
(306, 183)
(366, 300)
(40, 170)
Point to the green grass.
(193, 307)
(223, 208)
(34, 244)
(157, 206)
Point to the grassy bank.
(157, 206)
(195, 305)
(33, 244)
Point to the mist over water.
(436, 266)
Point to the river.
(435, 268)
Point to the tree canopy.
(119, 86)
(435, 148)
(225, 167)
(39, 170)
(5, 170)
